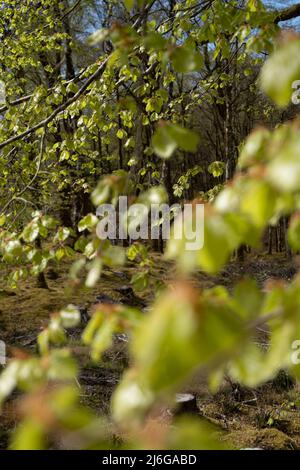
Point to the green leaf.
(186, 139)
(62, 365)
(283, 171)
(103, 338)
(62, 234)
(72, 88)
(31, 232)
(70, 316)
(88, 223)
(220, 238)
(183, 330)
(90, 330)
(155, 41)
(101, 194)
(121, 134)
(140, 280)
(257, 201)
(216, 168)
(98, 36)
(163, 143)
(60, 253)
(168, 137)
(29, 435)
(185, 59)
(43, 232)
(247, 368)
(43, 341)
(130, 400)
(56, 332)
(14, 248)
(248, 298)
(94, 272)
(129, 4)
(280, 71)
(8, 380)
(190, 432)
(294, 233)
(2, 220)
(254, 149)
(113, 255)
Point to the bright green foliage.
(184, 59)
(216, 168)
(184, 182)
(52, 142)
(294, 233)
(168, 137)
(106, 321)
(88, 222)
(30, 374)
(285, 66)
(142, 278)
(26, 251)
(53, 409)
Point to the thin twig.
(39, 161)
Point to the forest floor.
(267, 417)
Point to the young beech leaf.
(98, 36)
(258, 201)
(186, 139)
(31, 232)
(216, 168)
(247, 367)
(101, 193)
(168, 137)
(88, 222)
(121, 133)
(184, 330)
(70, 316)
(2, 220)
(130, 400)
(294, 233)
(280, 71)
(8, 380)
(155, 41)
(163, 143)
(185, 59)
(254, 149)
(284, 169)
(94, 273)
(129, 4)
(29, 436)
(220, 238)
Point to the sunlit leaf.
(280, 71)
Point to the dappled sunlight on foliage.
(161, 105)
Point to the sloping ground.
(268, 417)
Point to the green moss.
(267, 439)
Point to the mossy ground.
(268, 417)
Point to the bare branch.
(38, 167)
(287, 13)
